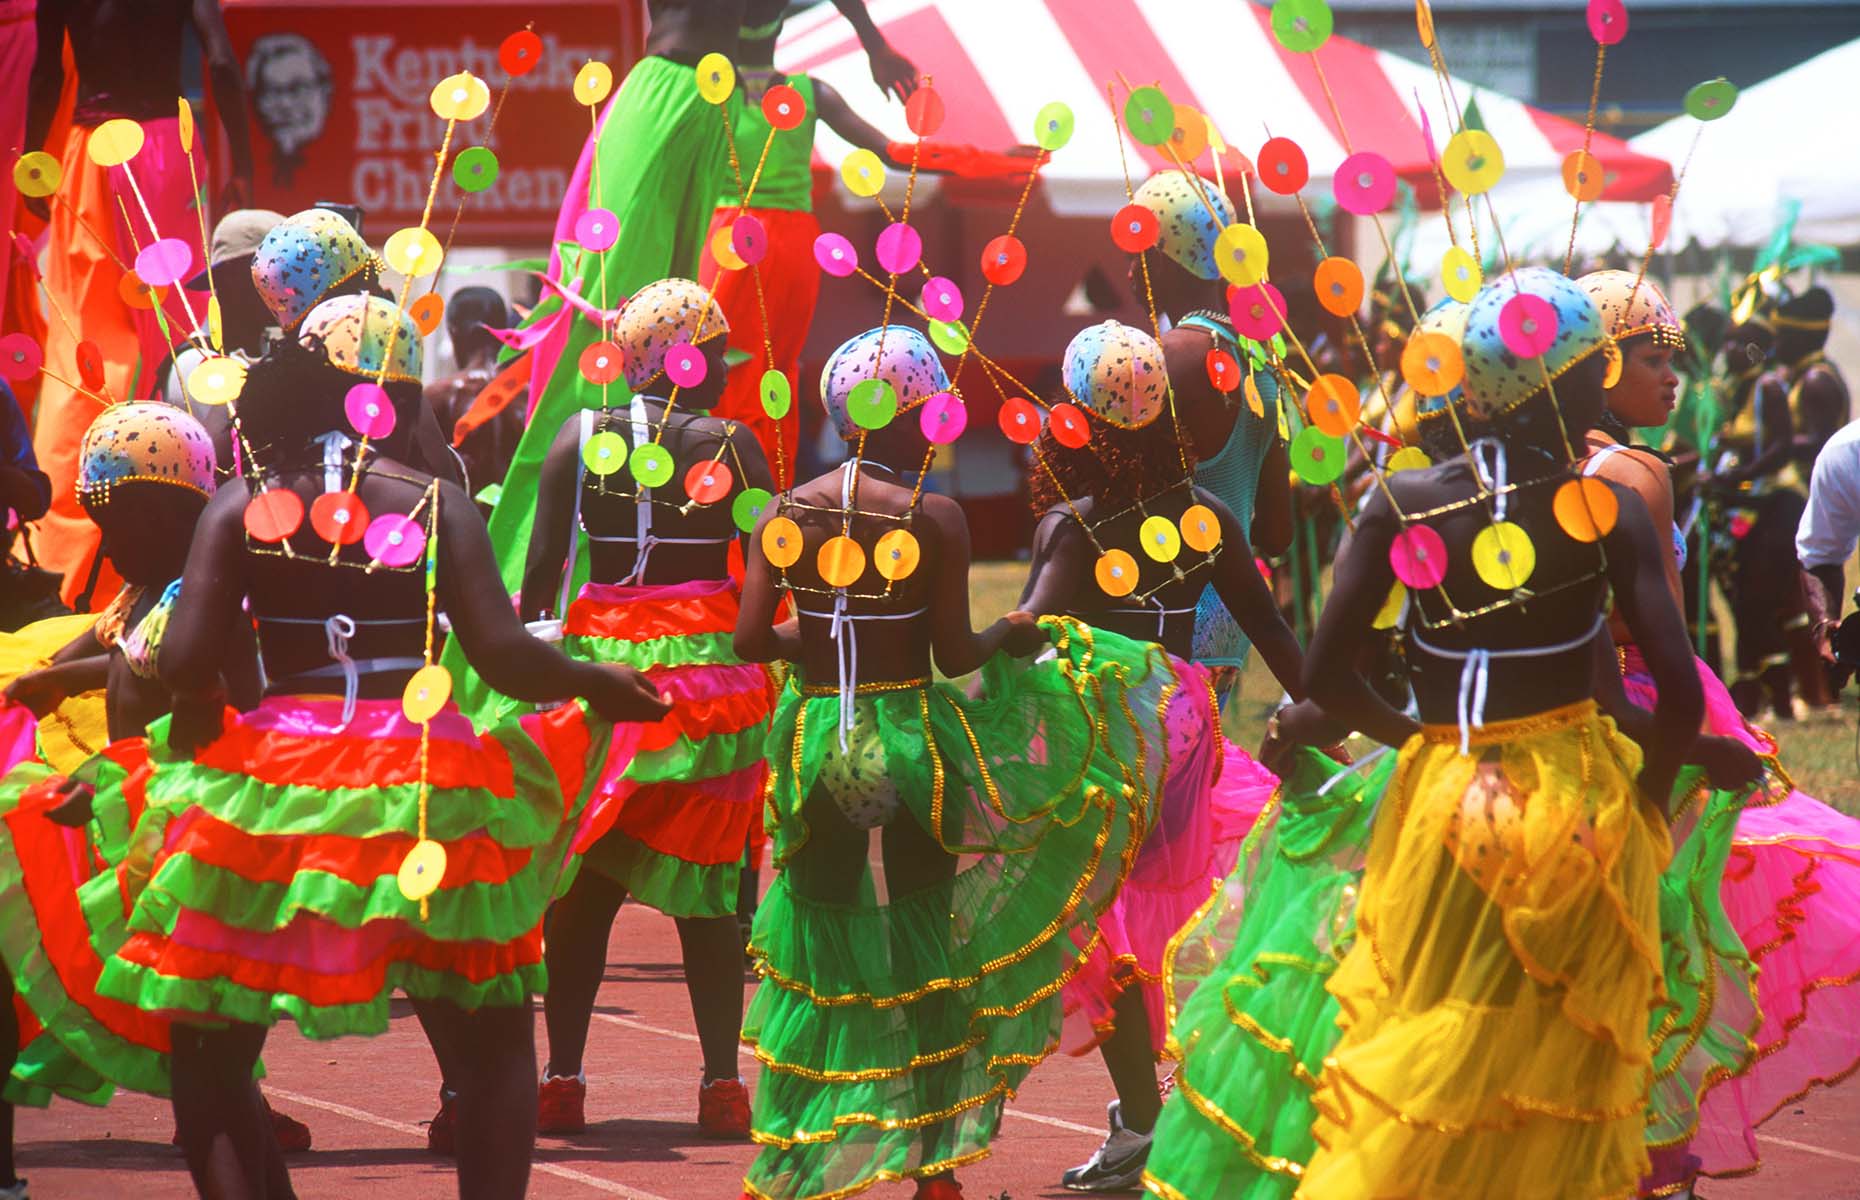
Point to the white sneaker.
(1118, 1164)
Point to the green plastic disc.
(652, 465)
(1712, 99)
(777, 394)
(475, 169)
(1317, 457)
(872, 403)
(1150, 116)
(605, 453)
(747, 508)
(1301, 25)
(951, 337)
(1052, 126)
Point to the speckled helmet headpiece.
(146, 442)
(1497, 379)
(660, 316)
(898, 354)
(1632, 304)
(358, 333)
(1186, 228)
(1118, 373)
(303, 259)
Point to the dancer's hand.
(1025, 636)
(40, 691)
(894, 74)
(1731, 765)
(624, 694)
(1301, 724)
(197, 721)
(1656, 788)
(74, 811)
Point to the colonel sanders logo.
(289, 80)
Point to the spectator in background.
(1830, 528)
(27, 593)
(487, 447)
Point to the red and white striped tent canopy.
(998, 62)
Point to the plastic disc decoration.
(1301, 25)
(369, 410)
(605, 453)
(896, 555)
(1020, 420)
(394, 540)
(90, 365)
(1223, 371)
(593, 82)
(413, 251)
(943, 418)
(1473, 163)
(1254, 401)
(426, 693)
(1003, 260)
(1258, 312)
(716, 78)
(37, 174)
(1390, 612)
(1160, 539)
(1504, 556)
(783, 107)
(217, 381)
(685, 365)
(723, 251)
(461, 97)
(749, 239)
(942, 299)
(216, 325)
(165, 262)
(923, 112)
(1052, 126)
(1583, 177)
(1317, 457)
(776, 392)
(1339, 285)
(835, 255)
(899, 248)
(1527, 325)
(1332, 403)
(1431, 363)
(651, 465)
(709, 482)
(20, 357)
(951, 337)
(872, 403)
(1189, 138)
(601, 363)
(1068, 425)
(1116, 572)
(1585, 508)
(114, 142)
(1201, 529)
(747, 508)
(137, 294)
(271, 516)
(1149, 116)
(1364, 183)
(1282, 166)
(1134, 229)
(427, 312)
(863, 172)
(597, 229)
(781, 542)
(1660, 214)
(339, 518)
(422, 870)
(519, 53)
(1240, 255)
(841, 561)
(1608, 21)
(1408, 458)
(1418, 557)
(1461, 274)
(1710, 100)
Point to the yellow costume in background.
(79, 727)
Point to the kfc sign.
(339, 97)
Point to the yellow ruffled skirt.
(1494, 1006)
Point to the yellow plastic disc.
(1472, 161)
(724, 251)
(1240, 255)
(1160, 539)
(1408, 458)
(593, 82)
(1390, 612)
(1332, 404)
(216, 336)
(1585, 508)
(422, 870)
(1431, 363)
(217, 381)
(1201, 529)
(716, 78)
(1253, 402)
(461, 97)
(605, 453)
(1116, 572)
(781, 542)
(1611, 375)
(114, 142)
(37, 174)
(413, 251)
(863, 172)
(841, 561)
(1504, 556)
(426, 693)
(1460, 275)
(897, 554)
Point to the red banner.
(337, 94)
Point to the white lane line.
(1055, 1122)
(606, 1186)
(1805, 1148)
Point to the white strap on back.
(1475, 673)
(1599, 457)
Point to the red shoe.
(441, 1130)
(940, 1187)
(561, 1103)
(293, 1135)
(723, 1109)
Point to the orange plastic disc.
(339, 518)
(271, 516)
(1585, 508)
(1339, 284)
(781, 542)
(1333, 405)
(1431, 363)
(841, 561)
(1116, 572)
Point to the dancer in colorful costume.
(891, 1033)
(661, 600)
(302, 863)
(1494, 1004)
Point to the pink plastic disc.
(685, 365)
(899, 248)
(1527, 325)
(749, 239)
(394, 540)
(1418, 557)
(943, 418)
(165, 262)
(20, 357)
(1020, 420)
(942, 298)
(1364, 183)
(1662, 216)
(369, 410)
(835, 255)
(1608, 21)
(597, 229)
(1258, 311)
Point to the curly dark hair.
(1117, 468)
